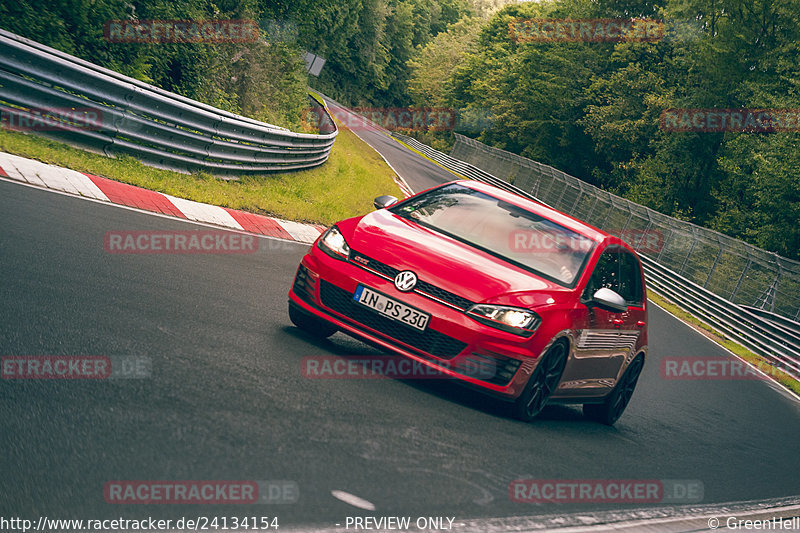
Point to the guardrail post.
(741, 278)
(691, 249)
(664, 247)
(591, 211)
(770, 293)
(546, 196)
(644, 235)
(713, 266)
(561, 197)
(630, 216)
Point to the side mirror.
(609, 300)
(384, 201)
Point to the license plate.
(391, 308)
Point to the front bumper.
(492, 360)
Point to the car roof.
(538, 208)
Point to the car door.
(606, 337)
(631, 288)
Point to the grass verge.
(758, 361)
(343, 187)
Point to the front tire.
(310, 324)
(542, 383)
(614, 405)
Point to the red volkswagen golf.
(501, 292)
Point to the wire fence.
(772, 336)
(732, 269)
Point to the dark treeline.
(592, 109)
(589, 108)
(367, 44)
(264, 80)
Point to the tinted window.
(618, 270)
(502, 229)
(630, 278)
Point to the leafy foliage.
(592, 109)
(264, 80)
(589, 108)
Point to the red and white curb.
(106, 190)
(402, 183)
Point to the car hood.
(446, 262)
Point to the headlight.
(332, 243)
(512, 319)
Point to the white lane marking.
(771, 381)
(300, 232)
(71, 182)
(279, 243)
(353, 500)
(204, 212)
(398, 176)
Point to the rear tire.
(614, 405)
(542, 383)
(310, 324)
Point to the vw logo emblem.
(405, 281)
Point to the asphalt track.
(420, 173)
(226, 399)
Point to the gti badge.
(405, 281)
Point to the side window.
(605, 274)
(618, 270)
(630, 276)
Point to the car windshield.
(502, 229)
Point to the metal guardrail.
(459, 167)
(735, 270)
(777, 320)
(776, 342)
(133, 118)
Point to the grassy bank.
(344, 186)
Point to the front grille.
(383, 268)
(449, 297)
(424, 288)
(428, 341)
